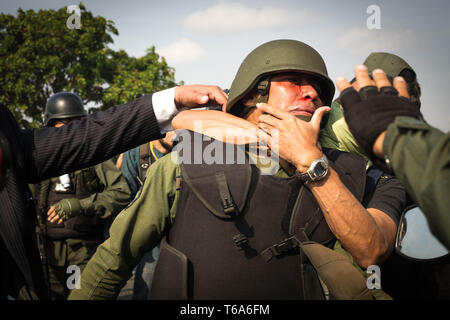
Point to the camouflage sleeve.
(337, 135)
(114, 196)
(135, 231)
(419, 155)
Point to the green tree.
(134, 77)
(40, 55)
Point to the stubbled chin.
(304, 118)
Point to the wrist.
(311, 184)
(378, 146)
(318, 170)
(302, 165)
(164, 107)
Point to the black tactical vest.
(84, 183)
(232, 236)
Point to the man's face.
(167, 141)
(295, 93)
(61, 122)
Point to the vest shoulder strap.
(222, 188)
(145, 160)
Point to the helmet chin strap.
(263, 90)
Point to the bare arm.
(368, 234)
(218, 125)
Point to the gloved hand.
(369, 112)
(67, 208)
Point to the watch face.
(318, 169)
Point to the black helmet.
(63, 105)
(279, 56)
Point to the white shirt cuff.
(164, 108)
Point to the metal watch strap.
(306, 176)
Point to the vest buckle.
(280, 248)
(240, 240)
(228, 206)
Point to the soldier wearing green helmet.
(275, 57)
(431, 277)
(231, 232)
(336, 134)
(395, 66)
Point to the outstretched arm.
(93, 139)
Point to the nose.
(307, 92)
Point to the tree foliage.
(40, 55)
(134, 77)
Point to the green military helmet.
(392, 64)
(63, 105)
(279, 56)
(395, 66)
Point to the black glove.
(68, 208)
(369, 112)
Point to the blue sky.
(205, 41)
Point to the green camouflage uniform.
(109, 193)
(337, 135)
(419, 155)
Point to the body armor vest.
(84, 183)
(232, 236)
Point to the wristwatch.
(317, 170)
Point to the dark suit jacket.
(49, 152)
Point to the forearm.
(107, 203)
(131, 235)
(419, 155)
(350, 222)
(114, 196)
(103, 277)
(218, 125)
(135, 231)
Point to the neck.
(160, 147)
